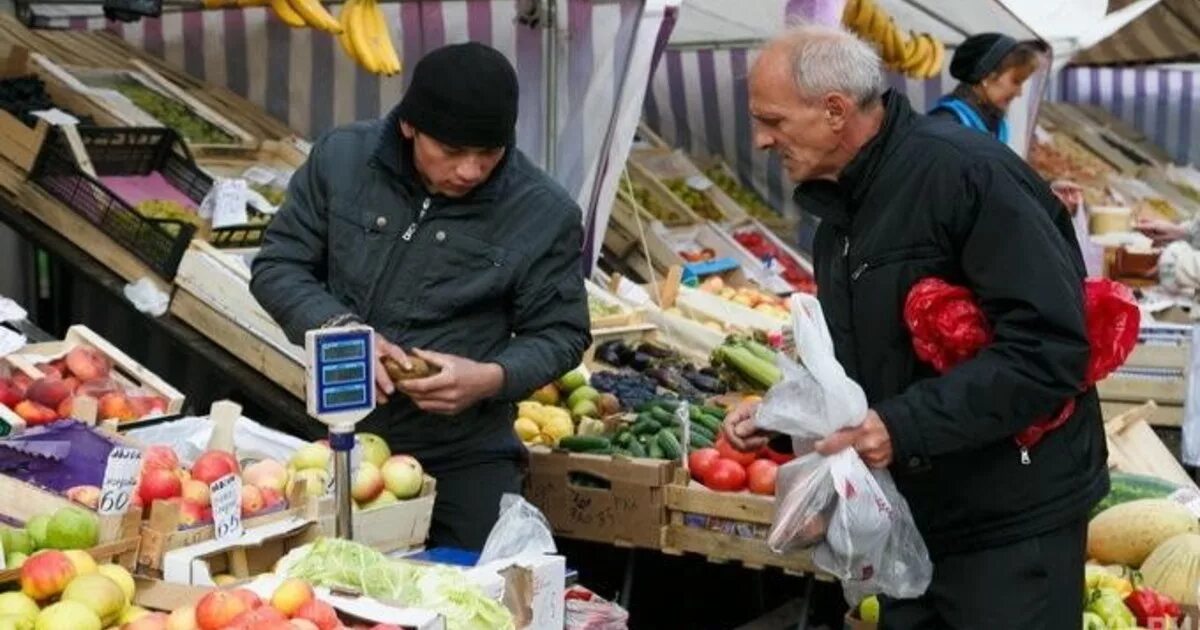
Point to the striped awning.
(1170, 31)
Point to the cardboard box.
(254, 553)
(360, 608)
(626, 510)
(387, 528)
(534, 586)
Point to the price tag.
(120, 480)
(226, 203)
(699, 182)
(227, 507)
(56, 117)
(1188, 498)
(684, 415)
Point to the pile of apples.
(761, 301)
(64, 590)
(293, 606)
(84, 371)
(382, 478)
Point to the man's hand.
(740, 430)
(383, 383)
(1161, 231)
(870, 439)
(461, 383)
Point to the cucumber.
(654, 450)
(636, 449)
(669, 444)
(716, 412)
(585, 444)
(644, 427)
(712, 424)
(667, 405)
(646, 406)
(624, 438)
(1126, 487)
(665, 418)
(700, 429)
(698, 440)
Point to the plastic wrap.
(520, 530)
(860, 524)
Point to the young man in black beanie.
(430, 226)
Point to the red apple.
(214, 464)
(271, 497)
(159, 456)
(192, 513)
(258, 619)
(10, 395)
(116, 406)
(159, 484)
(403, 476)
(217, 609)
(197, 492)
(45, 574)
(53, 369)
(252, 501)
(87, 363)
(48, 391)
(34, 414)
(248, 597)
(86, 495)
(368, 483)
(320, 613)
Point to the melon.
(1127, 533)
(1173, 569)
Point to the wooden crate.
(674, 210)
(1133, 447)
(214, 298)
(22, 144)
(626, 317)
(664, 166)
(725, 527)
(626, 511)
(387, 528)
(22, 501)
(231, 161)
(1138, 385)
(1162, 415)
(122, 551)
(161, 532)
(127, 372)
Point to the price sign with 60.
(226, 494)
(120, 480)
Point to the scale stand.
(340, 387)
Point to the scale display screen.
(345, 396)
(343, 350)
(337, 374)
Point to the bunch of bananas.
(364, 36)
(917, 55)
(305, 13)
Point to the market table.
(89, 293)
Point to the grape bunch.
(631, 389)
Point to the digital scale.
(340, 387)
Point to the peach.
(87, 363)
(266, 473)
(10, 395)
(21, 381)
(86, 495)
(217, 609)
(46, 574)
(197, 492)
(116, 406)
(48, 391)
(303, 624)
(320, 613)
(34, 414)
(149, 621)
(182, 619)
(66, 407)
(98, 388)
(271, 497)
(159, 456)
(192, 513)
(52, 369)
(291, 595)
(252, 501)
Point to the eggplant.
(658, 352)
(609, 353)
(705, 383)
(710, 371)
(640, 361)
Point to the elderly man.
(903, 197)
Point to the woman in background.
(990, 68)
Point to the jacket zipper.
(908, 254)
(412, 227)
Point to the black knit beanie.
(463, 95)
(978, 55)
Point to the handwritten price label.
(120, 480)
(227, 507)
(684, 416)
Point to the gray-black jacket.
(494, 277)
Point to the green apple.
(868, 609)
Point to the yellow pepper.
(1097, 577)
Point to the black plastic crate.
(113, 151)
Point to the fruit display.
(562, 409)
(748, 296)
(641, 198)
(598, 308)
(751, 202)
(764, 248)
(747, 364)
(697, 200)
(20, 96)
(1127, 533)
(657, 431)
(83, 371)
(722, 468)
(660, 368)
(173, 113)
(66, 529)
(1125, 487)
(58, 593)
(918, 55)
(365, 36)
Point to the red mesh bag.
(948, 327)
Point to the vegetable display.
(1125, 487)
(174, 114)
(764, 248)
(1173, 569)
(726, 469)
(1127, 533)
(1152, 609)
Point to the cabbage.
(347, 565)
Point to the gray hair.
(830, 59)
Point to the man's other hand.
(870, 439)
(384, 387)
(740, 430)
(459, 385)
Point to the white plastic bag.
(520, 530)
(587, 611)
(862, 528)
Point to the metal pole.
(550, 149)
(342, 443)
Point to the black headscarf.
(978, 55)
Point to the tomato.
(762, 476)
(726, 475)
(776, 456)
(729, 452)
(701, 461)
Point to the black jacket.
(924, 198)
(495, 276)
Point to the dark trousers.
(468, 501)
(1031, 584)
